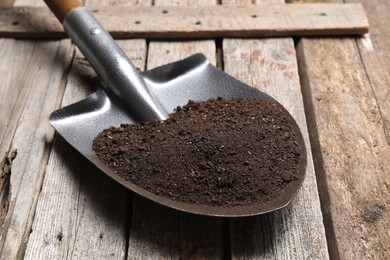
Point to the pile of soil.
(219, 152)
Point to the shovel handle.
(119, 76)
(61, 8)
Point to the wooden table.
(338, 90)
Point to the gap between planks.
(197, 21)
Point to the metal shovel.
(126, 96)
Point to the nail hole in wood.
(95, 11)
(198, 23)
(254, 16)
(14, 23)
(323, 14)
(165, 11)
(137, 22)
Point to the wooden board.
(158, 232)
(374, 50)
(29, 70)
(198, 21)
(345, 83)
(33, 81)
(297, 231)
(81, 213)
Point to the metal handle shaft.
(118, 74)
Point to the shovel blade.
(171, 85)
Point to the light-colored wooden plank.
(350, 138)
(81, 213)
(199, 21)
(31, 89)
(12, 91)
(16, 56)
(158, 232)
(154, 232)
(40, 80)
(33, 82)
(297, 231)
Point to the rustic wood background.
(337, 89)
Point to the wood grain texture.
(12, 90)
(158, 232)
(154, 232)
(374, 50)
(39, 77)
(198, 21)
(297, 231)
(345, 84)
(352, 151)
(81, 213)
(33, 80)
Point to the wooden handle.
(61, 8)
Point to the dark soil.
(218, 152)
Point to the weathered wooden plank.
(81, 213)
(34, 85)
(157, 232)
(295, 232)
(198, 21)
(12, 90)
(374, 50)
(351, 152)
(154, 232)
(31, 87)
(163, 52)
(347, 89)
